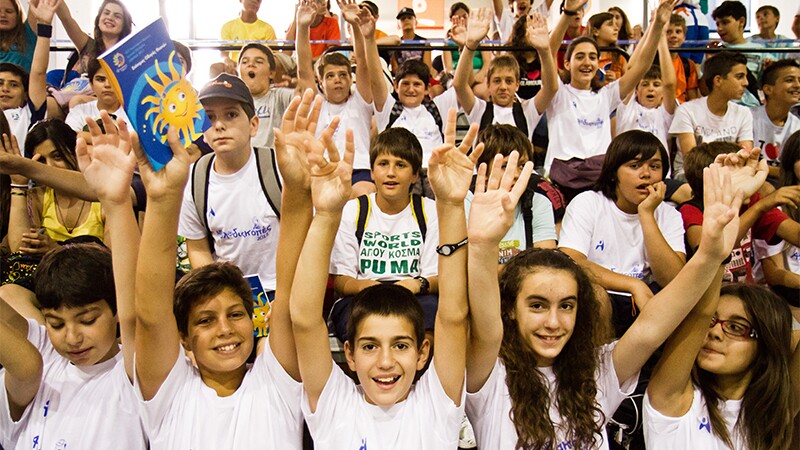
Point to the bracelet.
(19, 186)
(44, 30)
(471, 49)
(449, 249)
(569, 13)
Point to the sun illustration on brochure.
(175, 105)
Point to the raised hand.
(44, 10)
(349, 9)
(747, 172)
(366, 22)
(297, 129)
(492, 210)
(664, 10)
(721, 203)
(167, 184)
(9, 151)
(458, 32)
(574, 5)
(108, 164)
(330, 178)
(449, 168)
(655, 195)
(478, 26)
(305, 13)
(537, 33)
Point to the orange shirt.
(327, 30)
(683, 85)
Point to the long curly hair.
(519, 38)
(765, 418)
(127, 25)
(574, 369)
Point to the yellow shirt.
(236, 30)
(92, 226)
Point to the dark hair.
(519, 38)
(204, 283)
(16, 70)
(568, 55)
(790, 154)
(93, 67)
(721, 65)
(15, 36)
(653, 73)
(765, 417)
(771, 8)
(730, 8)
(413, 67)
(770, 74)
(574, 368)
(75, 275)
(5, 185)
(331, 59)
(504, 61)
(127, 26)
(185, 53)
(596, 22)
(701, 157)
(456, 6)
(263, 49)
(386, 300)
(373, 8)
(632, 145)
(503, 139)
(625, 31)
(398, 142)
(677, 19)
(60, 134)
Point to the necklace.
(60, 215)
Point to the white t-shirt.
(692, 430)
(596, 227)
(769, 137)
(419, 121)
(270, 108)
(392, 247)
(488, 409)
(426, 420)
(20, 121)
(542, 224)
(634, 116)
(76, 118)
(75, 407)
(578, 122)
(264, 412)
(694, 117)
(243, 224)
(355, 113)
(791, 254)
(505, 114)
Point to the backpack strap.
(687, 71)
(419, 214)
(363, 216)
(519, 118)
(526, 203)
(394, 114)
(434, 111)
(488, 116)
(268, 177)
(200, 173)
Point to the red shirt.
(327, 30)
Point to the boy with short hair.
(767, 18)
(686, 87)
(772, 122)
(246, 27)
(389, 236)
(716, 117)
(107, 100)
(503, 78)
(731, 18)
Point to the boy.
(246, 27)
(759, 219)
(651, 106)
(686, 87)
(384, 238)
(354, 109)
(731, 18)
(387, 347)
(85, 396)
(220, 401)
(715, 118)
(767, 18)
(107, 100)
(773, 123)
(503, 79)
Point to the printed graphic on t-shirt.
(709, 134)
(390, 254)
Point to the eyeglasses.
(734, 329)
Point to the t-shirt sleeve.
(682, 122)
(746, 128)
(429, 264)
(612, 93)
(478, 109)
(532, 115)
(269, 34)
(382, 116)
(578, 224)
(268, 370)
(338, 401)
(611, 390)
(763, 250)
(543, 221)
(691, 216)
(37, 335)
(156, 409)
(445, 101)
(444, 412)
(767, 225)
(225, 32)
(190, 225)
(345, 257)
(75, 119)
(671, 226)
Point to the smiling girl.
(17, 36)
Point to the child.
(696, 26)
(773, 122)
(616, 231)
(725, 379)
(535, 376)
(386, 346)
(767, 18)
(321, 26)
(107, 100)
(407, 22)
(578, 122)
(715, 118)
(503, 79)
(85, 395)
(761, 215)
(389, 236)
(686, 87)
(246, 27)
(603, 29)
(731, 18)
(17, 35)
(651, 106)
(219, 401)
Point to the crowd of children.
(619, 224)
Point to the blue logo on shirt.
(704, 423)
(363, 444)
(600, 246)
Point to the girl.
(605, 32)
(534, 376)
(626, 33)
(17, 36)
(724, 380)
(622, 232)
(579, 115)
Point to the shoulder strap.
(397, 109)
(434, 111)
(419, 214)
(268, 177)
(363, 216)
(488, 116)
(687, 71)
(519, 118)
(526, 203)
(200, 174)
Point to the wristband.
(449, 249)
(727, 260)
(44, 30)
(19, 186)
(569, 13)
